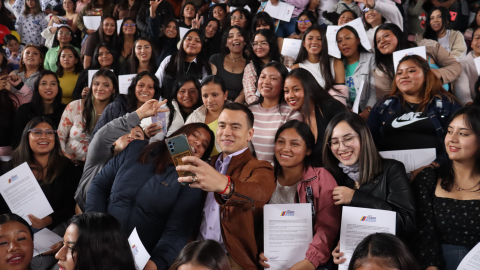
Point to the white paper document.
(398, 55)
(358, 223)
(332, 31)
(23, 194)
(92, 72)
(356, 103)
(472, 260)
(287, 233)
(183, 31)
(124, 81)
(43, 240)
(477, 64)
(92, 22)
(139, 252)
(281, 11)
(291, 47)
(119, 26)
(245, 7)
(412, 159)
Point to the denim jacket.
(439, 111)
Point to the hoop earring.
(41, 260)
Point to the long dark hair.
(101, 243)
(102, 37)
(305, 133)
(367, 25)
(245, 13)
(96, 65)
(265, 18)
(476, 101)
(179, 82)
(273, 52)
(89, 114)
(78, 67)
(215, 79)
(474, 24)
(388, 248)
(124, 6)
(176, 65)
(360, 47)
(40, 52)
(208, 254)
(355, 16)
(446, 172)
(26, 8)
(325, 67)
(24, 153)
(310, 16)
(283, 72)
(384, 62)
(132, 97)
(429, 32)
(56, 43)
(182, 10)
(8, 103)
(225, 49)
(163, 38)
(163, 159)
(121, 36)
(313, 91)
(152, 63)
(4, 218)
(37, 100)
(369, 160)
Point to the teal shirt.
(349, 71)
(50, 62)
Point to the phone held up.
(178, 148)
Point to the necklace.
(233, 60)
(188, 67)
(465, 189)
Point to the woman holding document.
(415, 113)
(365, 179)
(294, 142)
(448, 197)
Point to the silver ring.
(194, 178)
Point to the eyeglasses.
(347, 141)
(66, 33)
(304, 21)
(129, 24)
(261, 44)
(240, 18)
(37, 133)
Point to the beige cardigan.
(456, 42)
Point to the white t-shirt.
(445, 41)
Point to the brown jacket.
(243, 212)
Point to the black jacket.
(391, 190)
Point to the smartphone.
(178, 148)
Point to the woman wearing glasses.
(240, 17)
(365, 179)
(57, 176)
(304, 21)
(126, 39)
(63, 38)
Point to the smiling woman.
(16, 243)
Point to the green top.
(50, 62)
(349, 71)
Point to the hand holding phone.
(178, 148)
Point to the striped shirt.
(266, 124)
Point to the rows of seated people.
(263, 128)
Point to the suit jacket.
(241, 215)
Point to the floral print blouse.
(73, 140)
(30, 28)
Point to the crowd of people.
(262, 127)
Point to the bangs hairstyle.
(208, 254)
(56, 43)
(367, 25)
(103, 37)
(305, 133)
(226, 34)
(369, 160)
(262, 18)
(432, 86)
(310, 16)
(429, 32)
(215, 79)
(36, 10)
(96, 65)
(40, 53)
(132, 96)
(273, 52)
(164, 27)
(283, 73)
(37, 100)
(177, 85)
(446, 172)
(325, 67)
(360, 47)
(152, 63)
(121, 36)
(77, 68)
(11, 217)
(24, 153)
(385, 250)
(97, 234)
(384, 62)
(157, 152)
(89, 114)
(204, 25)
(245, 14)
(312, 91)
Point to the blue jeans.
(285, 29)
(453, 255)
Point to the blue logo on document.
(134, 250)
(368, 219)
(13, 178)
(287, 213)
